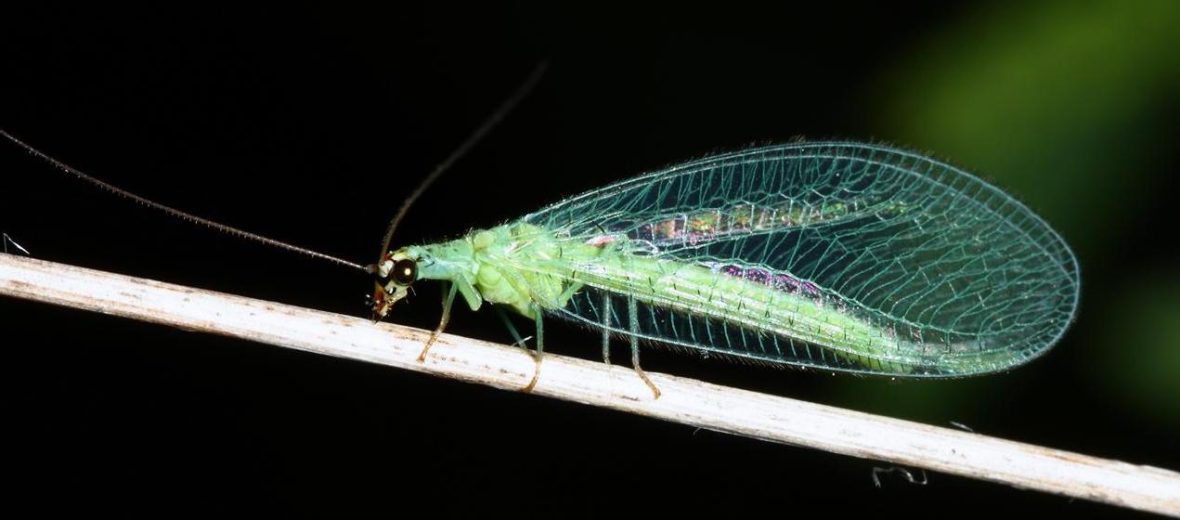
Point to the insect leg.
(521, 341)
(569, 293)
(517, 340)
(442, 323)
(606, 312)
(8, 240)
(540, 348)
(633, 317)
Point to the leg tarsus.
(643, 375)
(538, 354)
(430, 341)
(633, 318)
(442, 323)
(536, 376)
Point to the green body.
(838, 256)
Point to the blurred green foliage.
(1144, 321)
(1056, 102)
(1073, 108)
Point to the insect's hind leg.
(633, 319)
(540, 352)
(442, 323)
(517, 340)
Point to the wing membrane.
(957, 276)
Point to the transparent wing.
(957, 277)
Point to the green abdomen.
(758, 314)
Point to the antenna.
(479, 133)
(230, 230)
(463, 148)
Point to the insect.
(843, 256)
(840, 256)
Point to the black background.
(310, 123)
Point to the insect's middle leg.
(540, 352)
(517, 340)
(606, 313)
(442, 323)
(521, 341)
(535, 305)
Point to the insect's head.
(394, 275)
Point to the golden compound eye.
(404, 272)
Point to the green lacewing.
(838, 256)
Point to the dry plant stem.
(685, 401)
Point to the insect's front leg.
(457, 286)
(442, 323)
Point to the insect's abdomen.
(762, 315)
(772, 316)
(917, 268)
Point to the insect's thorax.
(518, 265)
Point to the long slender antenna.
(459, 152)
(462, 150)
(178, 213)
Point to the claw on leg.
(539, 352)
(633, 318)
(429, 342)
(655, 391)
(536, 375)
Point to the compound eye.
(404, 272)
